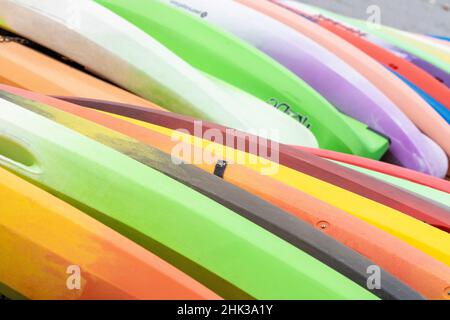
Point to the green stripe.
(166, 217)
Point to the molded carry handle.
(15, 153)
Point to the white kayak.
(111, 47)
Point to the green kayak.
(229, 254)
(110, 46)
(226, 57)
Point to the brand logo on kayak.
(320, 18)
(286, 108)
(74, 279)
(178, 4)
(222, 148)
(374, 279)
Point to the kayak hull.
(202, 240)
(37, 265)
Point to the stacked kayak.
(104, 255)
(144, 66)
(27, 68)
(426, 118)
(221, 55)
(347, 89)
(220, 149)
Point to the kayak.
(397, 38)
(439, 54)
(397, 64)
(383, 117)
(438, 47)
(402, 40)
(297, 160)
(429, 64)
(233, 242)
(423, 115)
(441, 109)
(6, 293)
(384, 168)
(153, 210)
(442, 38)
(392, 290)
(439, 74)
(432, 288)
(30, 215)
(352, 94)
(262, 186)
(323, 223)
(297, 232)
(418, 190)
(225, 56)
(431, 40)
(432, 214)
(29, 69)
(435, 71)
(283, 192)
(301, 55)
(144, 66)
(425, 237)
(175, 121)
(359, 98)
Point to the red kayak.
(382, 167)
(297, 159)
(406, 69)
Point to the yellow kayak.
(50, 250)
(424, 237)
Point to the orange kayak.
(30, 69)
(429, 278)
(38, 234)
(356, 182)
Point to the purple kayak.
(334, 79)
(436, 72)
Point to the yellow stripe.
(435, 52)
(424, 237)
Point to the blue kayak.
(439, 107)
